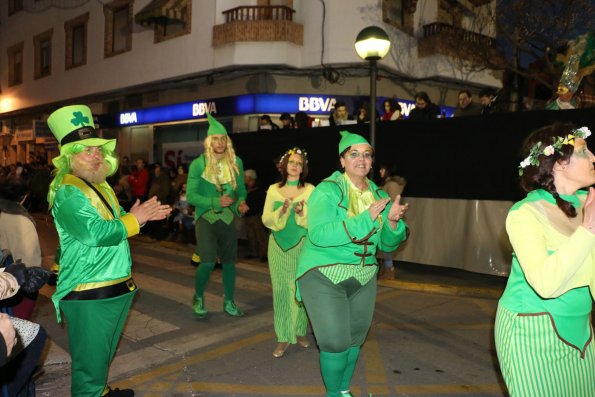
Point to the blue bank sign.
(252, 104)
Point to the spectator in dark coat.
(424, 108)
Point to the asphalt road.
(428, 338)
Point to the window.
(15, 64)
(43, 54)
(169, 27)
(76, 41)
(14, 6)
(118, 27)
(399, 13)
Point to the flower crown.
(295, 150)
(536, 150)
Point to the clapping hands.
(150, 210)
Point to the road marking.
(423, 326)
(216, 276)
(434, 389)
(374, 370)
(196, 359)
(184, 346)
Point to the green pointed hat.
(349, 139)
(215, 127)
(74, 124)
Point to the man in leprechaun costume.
(216, 189)
(95, 287)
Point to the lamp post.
(372, 44)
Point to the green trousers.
(341, 315)
(94, 329)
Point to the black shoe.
(119, 393)
(264, 259)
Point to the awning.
(158, 10)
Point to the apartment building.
(150, 69)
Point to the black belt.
(110, 291)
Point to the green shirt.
(552, 266)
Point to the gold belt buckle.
(131, 285)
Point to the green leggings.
(216, 240)
(341, 315)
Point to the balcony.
(258, 23)
(445, 39)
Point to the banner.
(177, 153)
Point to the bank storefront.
(173, 134)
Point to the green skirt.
(289, 316)
(535, 362)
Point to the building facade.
(150, 69)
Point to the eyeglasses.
(355, 154)
(296, 163)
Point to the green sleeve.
(194, 193)
(241, 189)
(328, 224)
(551, 271)
(82, 221)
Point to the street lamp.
(372, 44)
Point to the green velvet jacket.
(93, 238)
(334, 238)
(203, 195)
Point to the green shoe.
(230, 308)
(346, 394)
(198, 305)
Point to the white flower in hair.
(583, 132)
(526, 162)
(548, 151)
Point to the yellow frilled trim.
(218, 176)
(359, 200)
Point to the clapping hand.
(150, 210)
(397, 211)
(377, 207)
(589, 211)
(286, 204)
(299, 208)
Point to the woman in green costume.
(544, 337)
(349, 217)
(285, 213)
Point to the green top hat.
(74, 124)
(349, 139)
(215, 127)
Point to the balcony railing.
(258, 23)
(259, 13)
(461, 35)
